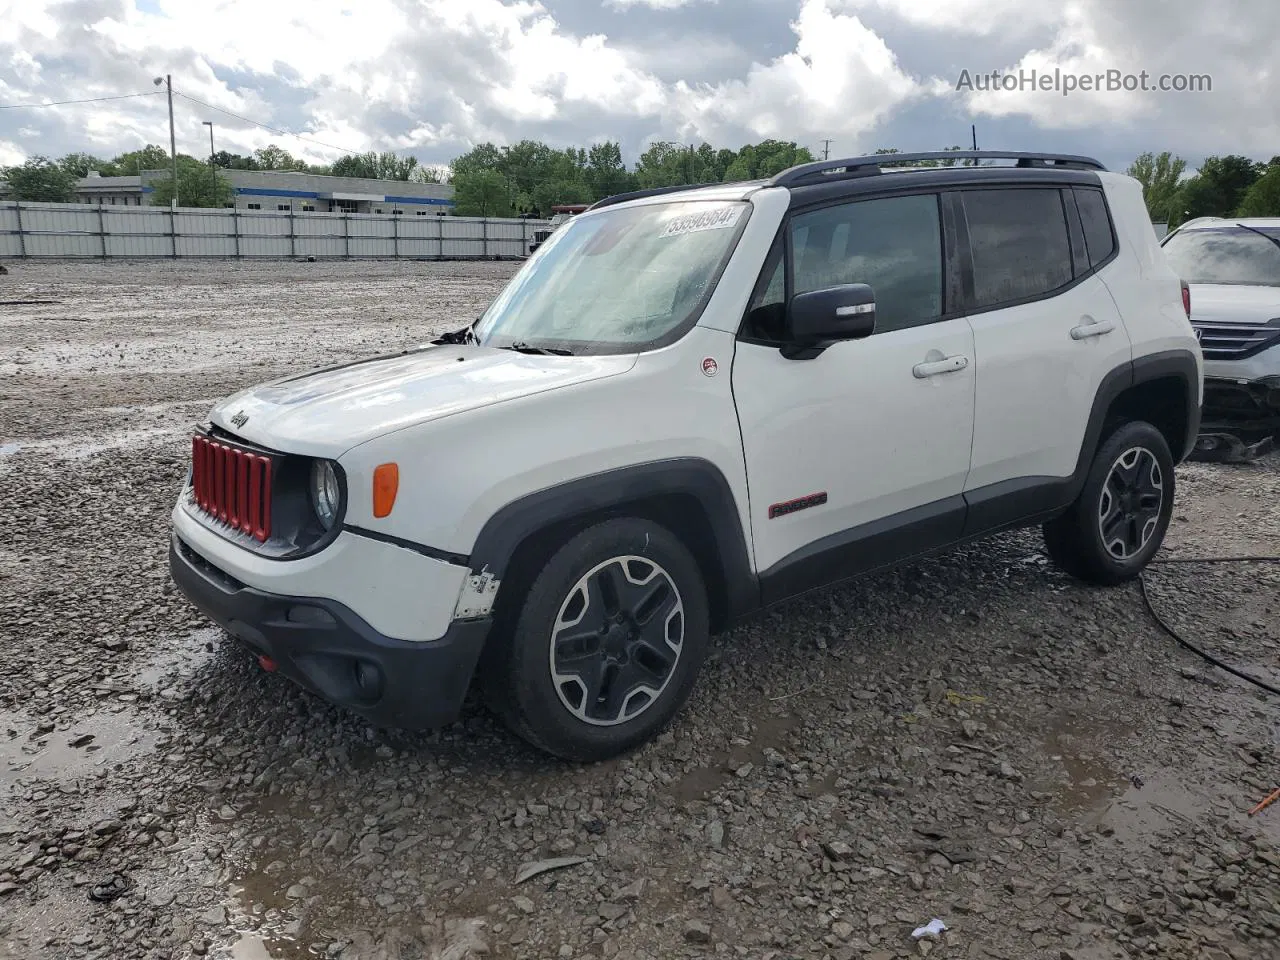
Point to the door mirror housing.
(819, 318)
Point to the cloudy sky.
(433, 77)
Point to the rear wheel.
(1120, 518)
(606, 645)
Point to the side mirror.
(819, 318)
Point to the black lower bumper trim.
(326, 648)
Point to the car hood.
(1234, 303)
(326, 412)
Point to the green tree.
(1216, 190)
(606, 174)
(484, 156)
(665, 165)
(423, 174)
(272, 157)
(375, 166)
(132, 163)
(551, 192)
(41, 180)
(79, 164)
(198, 186)
(1262, 199)
(234, 161)
(1160, 176)
(484, 193)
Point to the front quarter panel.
(457, 473)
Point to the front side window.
(893, 244)
(1019, 241)
(1229, 254)
(619, 281)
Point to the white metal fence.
(89, 230)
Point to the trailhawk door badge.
(800, 503)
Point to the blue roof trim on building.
(437, 201)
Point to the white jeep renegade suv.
(689, 404)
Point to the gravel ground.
(975, 738)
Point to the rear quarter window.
(1019, 244)
(1099, 238)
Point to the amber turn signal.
(386, 483)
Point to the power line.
(264, 126)
(59, 103)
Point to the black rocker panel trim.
(614, 490)
(864, 548)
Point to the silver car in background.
(1232, 269)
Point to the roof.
(1209, 223)
(110, 183)
(828, 179)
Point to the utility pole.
(213, 170)
(167, 80)
(826, 149)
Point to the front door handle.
(1086, 330)
(933, 368)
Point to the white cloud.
(655, 4)
(10, 153)
(436, 76)
(970, 17)
(840, 80)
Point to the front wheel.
(607, 644)
(1119, 520)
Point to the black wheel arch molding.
(724, 556)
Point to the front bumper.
(326, 648)
(1238, 404)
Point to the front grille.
(232, 486)
(1235, 341)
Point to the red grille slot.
(232, 486)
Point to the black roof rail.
(870, 165)
(651, 192)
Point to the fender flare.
(610, 492)
(1177, 363)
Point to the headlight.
(325, 493)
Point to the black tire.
(1076, 540)
(563, 718)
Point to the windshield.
(1228, 254)
(620, 281)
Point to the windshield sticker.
(720, 219)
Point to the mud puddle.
(169, 670)
(32, 749)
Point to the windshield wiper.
(466, 335)
(1267, 236)
(521, 347)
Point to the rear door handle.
(1086, 330)
(934, 368)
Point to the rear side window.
(1098, 237)
(1019, 244)
(893, 244)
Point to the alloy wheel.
(617, 640)
(1130, 504)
